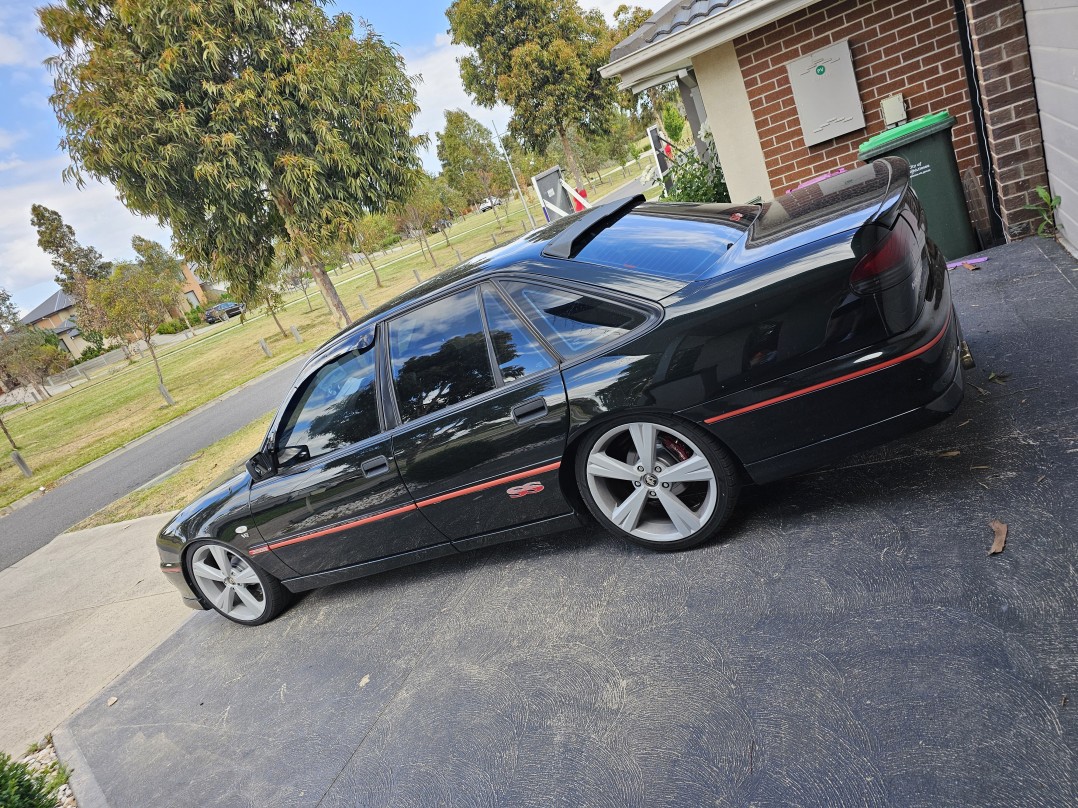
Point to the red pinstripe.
(838, 380)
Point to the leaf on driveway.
(1000, 529)
(952, 453)
(112, 700)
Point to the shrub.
(90, 352)
(194, 316)
(696, 180)
(21, 788)
(673, 122)
(172, 327)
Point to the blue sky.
(31, 161)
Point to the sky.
(31, 161)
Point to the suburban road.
(43, 519)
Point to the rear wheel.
(234, 586)
(660, 483)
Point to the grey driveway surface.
(40, 521)
(849, 641)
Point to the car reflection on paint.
(636, 363)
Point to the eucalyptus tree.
(239, 123)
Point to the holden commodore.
(636, 363)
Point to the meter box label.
(825, 91)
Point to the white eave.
(658, 62)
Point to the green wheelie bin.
(926, 145)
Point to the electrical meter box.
(825, 91)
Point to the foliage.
(194, 316)
(697, 180)
(9, 313)
(470, 162)
(31, 355)
(1046, 209)
(543, 63)
(426, 206)
(240, 123)
(135, 299)
(267, 293)
(22, 788)
(172, 327)
(90, 352)
(673, 122)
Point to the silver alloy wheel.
(652, 482)
(228, 581)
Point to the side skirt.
(342, 574)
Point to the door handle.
(374, 466)
(529, 410)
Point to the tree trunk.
(153, 355)
(423, 236)
(308, 298)
(280, 327)
(374, 269)
(7, 435)
(445, 235)
(570, 158)
(329, 292)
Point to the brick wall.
(1001, 55)
(899, 46)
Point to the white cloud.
(441, 89)
(9, 139)
(20, 43)
(96, 214)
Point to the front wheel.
(234, 586)
(660, 483)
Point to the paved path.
(88, 491)
(848, 643)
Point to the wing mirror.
(261, 466)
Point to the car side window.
(572, 322)
(335, 407)
(516, 350)
(439, 355)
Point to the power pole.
(513, 174)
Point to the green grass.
(80, 425)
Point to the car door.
(337, 498)
(482, 412)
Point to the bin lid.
(907, 133)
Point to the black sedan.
(637, 363)
(223, 311)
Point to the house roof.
(67, 326)
(56, 302)
(683, 29)
(667, 21)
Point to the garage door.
(1053, 45)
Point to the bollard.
(417, 278)
(363, 302)
(25, 469)
(265, 348)
(164, 394)
(295, 334)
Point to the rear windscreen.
(677, 248)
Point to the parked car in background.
(636, 362)
(489, 203)
(223, 311)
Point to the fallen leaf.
(970, 267)
(1000, 531)
(365, 680)
(975, 468)
(967, 421)
(952, 453)
(980, 390)
(1041, 479)
(112, 700)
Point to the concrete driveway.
(850, 642)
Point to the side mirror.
(260, 466)
(291, 455)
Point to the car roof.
(525, 255)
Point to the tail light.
(890, 261)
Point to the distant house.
(790, 88)
(57, 314)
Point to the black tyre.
(657, 481)
(233, 585)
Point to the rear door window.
(573, 322)
(439, 355)
(516, 350)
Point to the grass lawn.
(80, 425)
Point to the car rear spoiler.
(575, 237)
